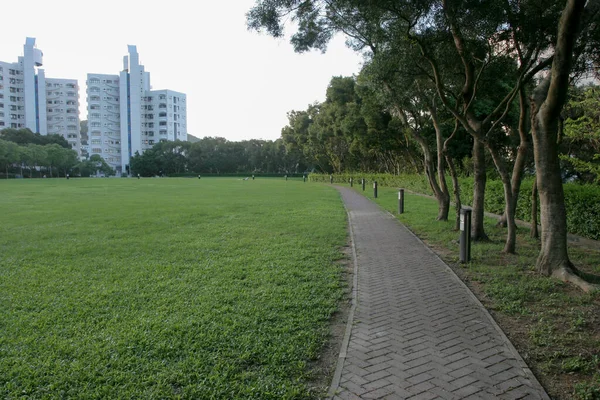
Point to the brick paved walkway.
(416, 331)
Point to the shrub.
(582, 201)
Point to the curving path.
(415, 330)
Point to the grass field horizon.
(166, 288)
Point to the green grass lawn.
(166, 288)
(555, 326)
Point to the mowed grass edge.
(166, 288)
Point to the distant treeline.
(216, 155)
(27, 154)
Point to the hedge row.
(582, 201)
(234, 174)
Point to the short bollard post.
(303, 178)
(363, 184)
(351, 183)
(286, 177)
(330, 178)
(253, 177)
(401, 201)
(138, 176)
(199, 177)
(375, 189)
(465, 235)
(67, 176)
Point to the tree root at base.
(572, 275)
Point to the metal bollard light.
(286, 177)
(330, 178)
(351, 182)
(303, 178)
(401, 201)
(252, 176)
(465, 235)
(138, 176)
(67, 176)
(363, 184)
(199, 177)
(375, 189)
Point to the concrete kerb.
(337, 376)
(493, 322)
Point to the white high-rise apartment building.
(126, 117)
(62, 110)
(104, 121)
(30, 100)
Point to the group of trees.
(349, 131)
(217, 155)
(491, 74)
(31, 154)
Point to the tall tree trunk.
(479, 181)
(547, 103)
(534, 211)
(444, 195)
(509, 209)
(553, 254)
(442, 198)
(522, 153)
(456, 191)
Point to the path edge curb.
(528, 372)
(337, 376)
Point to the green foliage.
(414, 182)
(581, 142)
(166, 288)
(217, 155)
(581, 364)
(21, 149)
(25, 136)
(582, 201)
(588, 391)
(350, 130)
(94, 165)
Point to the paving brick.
(417, 332)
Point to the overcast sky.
(239, 84)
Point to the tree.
(56, 157)
(581, 135)
(9, 154)
(547, 103)
(146, 164)
(26, 136)
(95, 164)
(37, 154)
(480, 34)
(297, 136)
